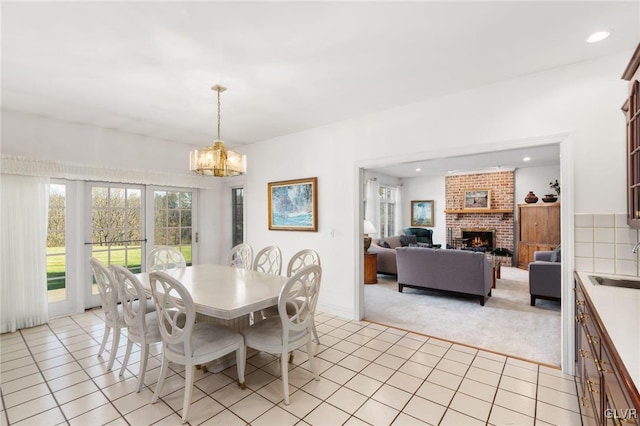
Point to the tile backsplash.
(603, 244)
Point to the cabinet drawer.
(618, 409)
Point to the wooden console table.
(370, 268)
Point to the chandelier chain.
(218, 114)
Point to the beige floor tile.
(558, 398)
(378, 344)
(433, 349)
(364, 385)
(522, 363)
(378, 372)
(558, 382)
(326, 414)
(424, 410)
(133, 401)
(493, 356)
(445, 379)
(149, 413)
(321, 389)
(26, 394)
(106, 413)
(83, 404)
(478, 390)
(62, 370)
(392, 396)
(471, 406)
(504, 417)
(376, 413)
(436, 393)
(30, 408)
(276, 416)
(459, 356)
(454, 418)
(406, 420)
(518, 386)
(56, 362)
(300, 404)
(483, 376)
(346, 346)
(338, 374)
(347, 400)
(452, 367)
(425, 359)
(51, 416)
(77, 391)
(488, 364)
(521, 373)
(409, 342)
(415, 369)
(354, 363)
(389, 361)
(254, 380)
(11, 356)
(401, 351)
(555, 415)
(175, 400)
(332, 355)
(367, 353)
(16, 363)
(22, 383)
(251, 407)
(16, 373)
(339, 334)
(404, 381)
(516, 402)
(232, 393)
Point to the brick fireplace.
(498, 219)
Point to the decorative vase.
(550, 198)
(531, 198)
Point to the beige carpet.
(507, 324)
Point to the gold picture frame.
(422, 213)
(293, 205)
(477, 199)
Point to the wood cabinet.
(538, 230)
(631, 108)
(370, 268)
(606, 392)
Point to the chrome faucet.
(634, 250)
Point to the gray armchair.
(544, 277)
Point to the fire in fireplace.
(478, 239)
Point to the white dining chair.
(164, 257)
(293, 327)
(301, 259)
(298, 261)
(268, 260)
(113, 319)
(142, 326)
(186, 342)
(240, 256)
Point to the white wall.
(427, 188)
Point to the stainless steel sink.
(615, 282)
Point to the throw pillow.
(405, 240)
(556, 255)
(383, 243)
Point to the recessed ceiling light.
(598, 36)
(418, 169)
(526, 159)
(450, 171)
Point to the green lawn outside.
(56, 262)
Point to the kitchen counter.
(619, 311)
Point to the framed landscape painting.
(293, 205)
(422, 213)
(477, 199)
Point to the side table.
(370, 268)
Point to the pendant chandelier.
(216, 160)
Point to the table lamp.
(368, 229)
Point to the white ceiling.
(147, 67)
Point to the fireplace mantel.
(503, 212)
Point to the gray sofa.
(545, 277)
(459, 271)
(386, 256)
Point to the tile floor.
(370, 374)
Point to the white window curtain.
(372, 206)
(398, 214)
(23, 265)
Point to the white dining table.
(226, 295)
(226, 292)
